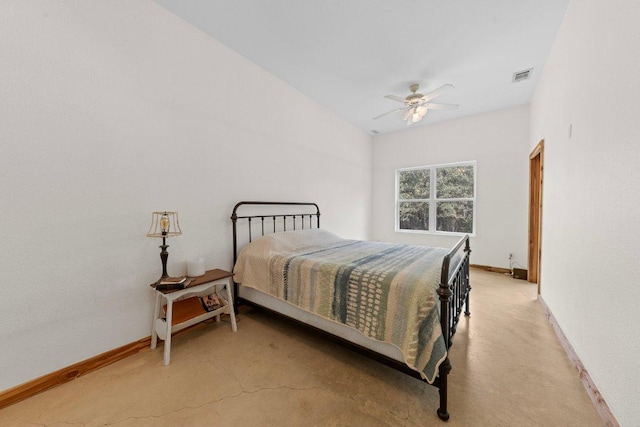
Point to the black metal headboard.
(297, 219)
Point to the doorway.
(536, 169)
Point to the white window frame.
(432, 200)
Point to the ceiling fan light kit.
(416, 104)
(415, 114)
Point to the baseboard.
(597, 399)
(33, 387)
(492, 269)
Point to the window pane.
(454, 182)
(455, 217)
(414, 184)
(414, 216)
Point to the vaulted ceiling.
(349, 54)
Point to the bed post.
(467, 249)
(443, 372)
(444, 291)
(234, 219)
(445, 366)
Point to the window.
(436, 199)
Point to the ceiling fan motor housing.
(414, 98)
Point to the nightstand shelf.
(187, 312)
(184, 309)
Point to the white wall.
(591, 230)
(498, 141)
(109, 111)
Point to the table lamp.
(164, 224)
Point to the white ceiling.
(348, 54)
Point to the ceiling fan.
(416, 104)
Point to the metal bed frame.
(453, 293)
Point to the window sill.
(435, 233)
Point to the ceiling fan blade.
(395, 98)
(433, 106)
(392, 111)
(429, 96)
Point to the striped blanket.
(385, 291)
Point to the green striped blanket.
(385, 291)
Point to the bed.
(399, 304)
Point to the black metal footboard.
(454, 295)
(453, 290)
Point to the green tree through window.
(436, 198)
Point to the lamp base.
(164, 256)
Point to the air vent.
(521, 75)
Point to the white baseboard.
(599, 402)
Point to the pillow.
(253, 256)
(290, 240)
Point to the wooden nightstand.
(189, 310)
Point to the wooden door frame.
(536, 172)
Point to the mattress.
(345, 332)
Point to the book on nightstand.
(172, 283)
(212, 302)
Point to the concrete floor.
(508, 370)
